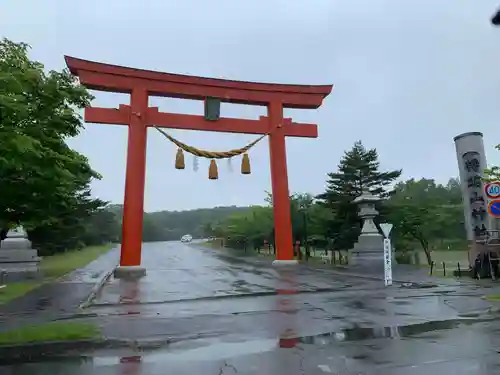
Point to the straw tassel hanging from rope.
(213, 174)
(179, 159)
(245, 164)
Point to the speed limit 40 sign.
(492, 190)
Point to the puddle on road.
(224, 348)
(418, 285)
(199, 350)
(349, 334)
(368, 333)
(213, 352)
(43, 303)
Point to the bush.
(404, 257)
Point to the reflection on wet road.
(224, 316)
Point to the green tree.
(413, 222)
(425, 212)
(358, 170)
(152, 231)
(44, 184)
(255, 225)
(208, 229)
(38, 111)
(174, 224)
(492, 174)
(72, 229)
(103, 226)
(319, 218)
(250, 228)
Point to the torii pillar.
(138, 116)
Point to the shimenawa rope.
(212, 171)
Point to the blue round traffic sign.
(494, 208)
(492, 190)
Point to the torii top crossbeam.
(114, 78)
(107, 77)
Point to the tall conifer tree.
(358, 170)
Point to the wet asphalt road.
(225, 316)
(53, 300)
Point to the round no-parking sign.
(494, 208)
(492, 190)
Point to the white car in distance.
(186, 238)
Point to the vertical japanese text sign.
(386, 230)
(472, 167)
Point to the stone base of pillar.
(370, 259)
(368, 252)
(129, 272)
(281, 263)
(472, 252)
(19, 275)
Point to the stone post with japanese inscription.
(471, 164)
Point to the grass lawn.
(53, 331)
(53, 267)
(14, 290)
(60, 264)
(493, 297)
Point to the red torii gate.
(141, 84)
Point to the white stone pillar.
(471, 159)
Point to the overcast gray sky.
(409, 75)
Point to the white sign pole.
(386, 230)
(387, 262)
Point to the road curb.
(95, 289)
(436, 281)
(20, 353)
(39, 351)
(335, 269)
(212, 298)
(332, 270)
(359, 276)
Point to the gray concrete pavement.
(224, 316)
